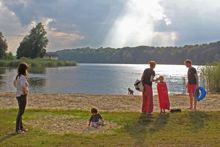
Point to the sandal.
(20, 132)
(25, 130)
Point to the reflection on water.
(2, 72)
(36, 83)
(95, 78)
(36, 70)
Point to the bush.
(211, 76)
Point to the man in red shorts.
(192, 84)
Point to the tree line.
(33, 45)
(200, 54)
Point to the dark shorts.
(191, 88)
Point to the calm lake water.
(95, 78)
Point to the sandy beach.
(119, 103)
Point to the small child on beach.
(163, 95)
(95, 119)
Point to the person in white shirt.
(21, 85)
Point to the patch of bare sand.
(121, 103)
(68, 125)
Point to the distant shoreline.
(200, 54)
(37, 62)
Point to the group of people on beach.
(148, 77)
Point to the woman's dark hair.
(22, 69)
(94, 110)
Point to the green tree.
(34, 45)
(9, 56)
(3, 46)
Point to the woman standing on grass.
(147, 79)
(21, 85)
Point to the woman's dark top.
(95, 118)
(146, 77)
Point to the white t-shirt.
(19, 83)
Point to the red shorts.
(191, 88)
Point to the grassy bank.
(38, 62)
(211, 76)
(181, 129)
(37, 65)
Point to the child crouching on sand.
(163, 95)
(95, 119)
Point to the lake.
(95, 78)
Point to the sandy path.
(122, 103)
(67, 124)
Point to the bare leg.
(195, 103)
(191, 99)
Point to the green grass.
(37, 65)
(183, 129)
(38, 62)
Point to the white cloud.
(136, 24)
(164, 38)
(25, 3)
(59, 39)
(195, 21)
(14, 31)
(11, 27)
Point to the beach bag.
(139, 85)
(175, 110)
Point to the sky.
(112, 23)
